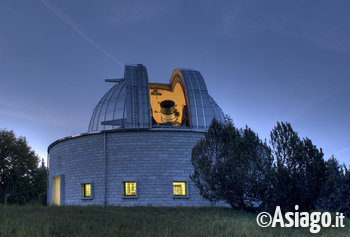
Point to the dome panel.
(110, 112)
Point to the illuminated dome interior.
(134, 103)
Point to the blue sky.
(263, 61)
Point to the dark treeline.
(236, 166)
(22, 178)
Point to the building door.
(56, 191)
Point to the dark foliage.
(335, 193)
(235, 166)
(298, 172)
(21, 178)
(231, 165)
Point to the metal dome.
(110, 109)
(128, 105)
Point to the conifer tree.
(231, 165)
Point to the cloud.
(79, 31)
(320, 22)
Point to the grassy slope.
(140, 221)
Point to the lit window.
(129, 188)
(179, 188)
(86, 190)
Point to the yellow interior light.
(56, 191)
(179, 188)
(129, 188)
(168, 104)
(87, 190)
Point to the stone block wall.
(153, 158)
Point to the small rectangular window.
(179, 188)
(86, 190)
(129, 188)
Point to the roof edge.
(165, 129)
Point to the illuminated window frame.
(124, 189)
(186, 189)
(84, 194)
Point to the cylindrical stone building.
(137, 150)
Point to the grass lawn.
(140, 221)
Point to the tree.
(298, 169)
(234, 165)
(344, 192)
(20, 175)
(335, 193)
(231, 164)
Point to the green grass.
(140, 221)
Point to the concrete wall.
(152, 158)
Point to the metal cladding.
(138, 107)
(202, 107)
(127, 104)
(110, 112)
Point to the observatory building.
(137, 150)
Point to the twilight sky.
(263, 61)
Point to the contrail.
(342, 150)
(76, 28)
